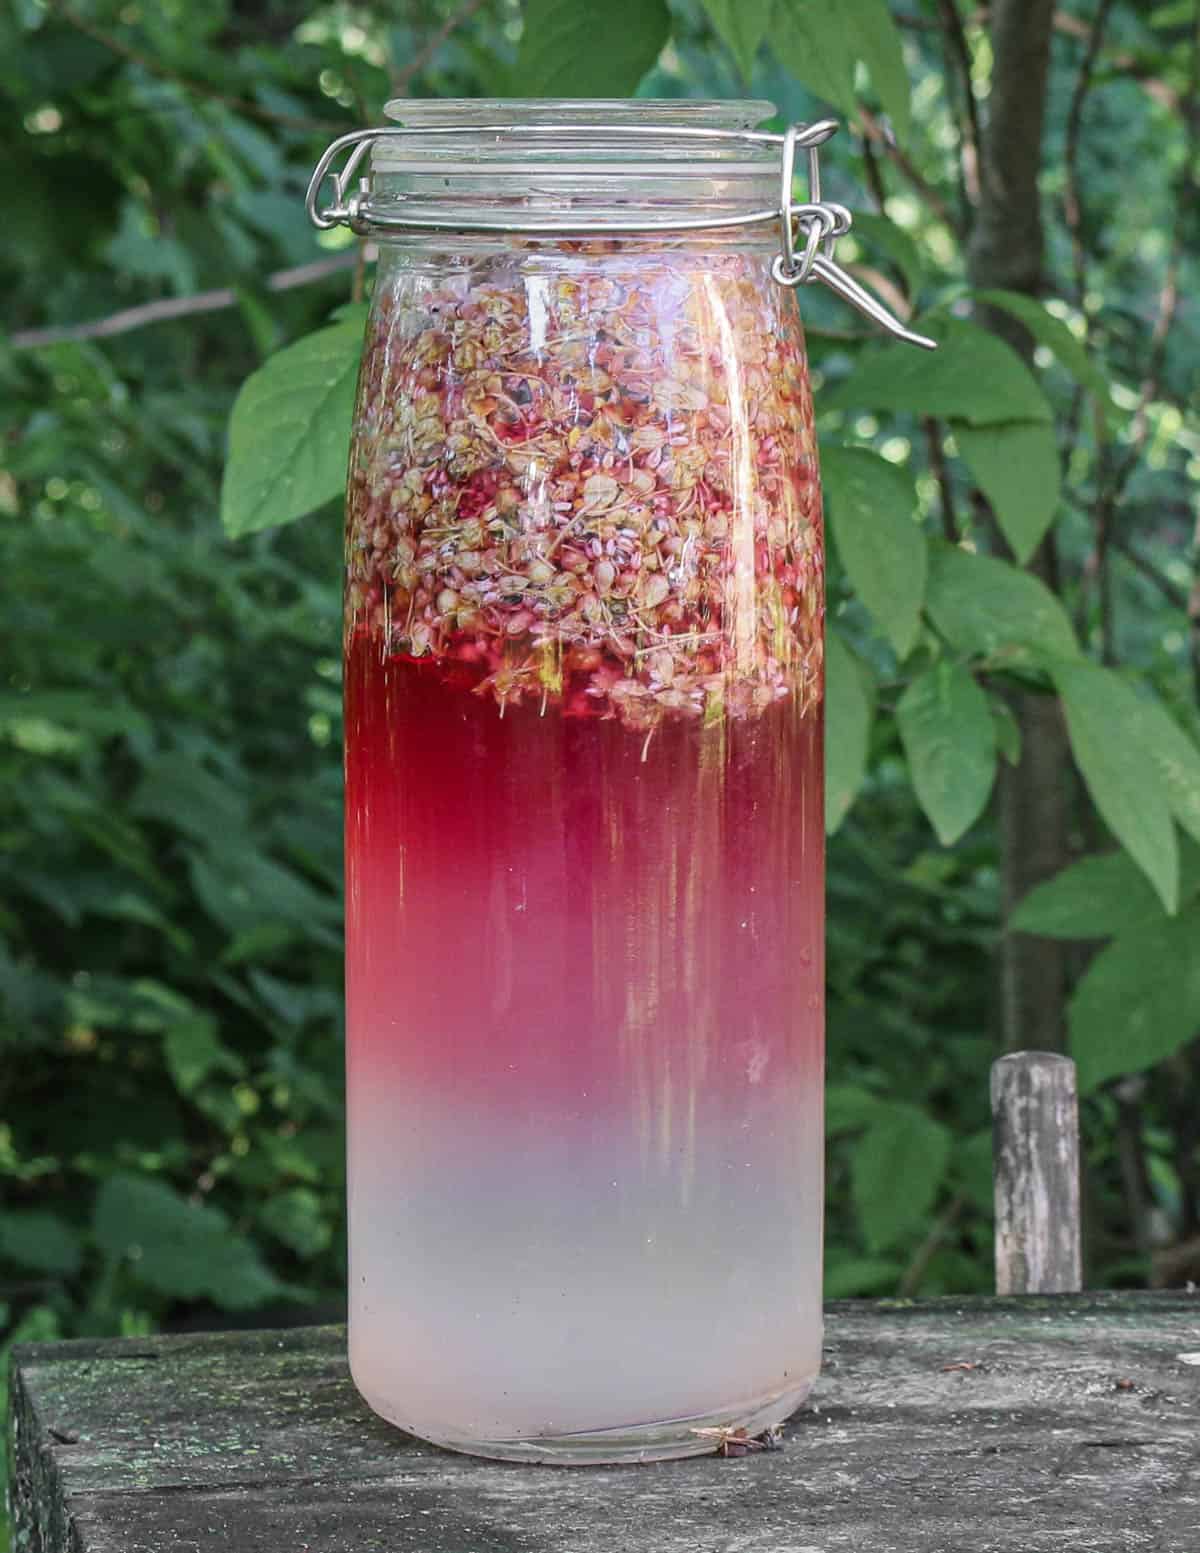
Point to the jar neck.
(589, 165)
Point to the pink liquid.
(584, 988)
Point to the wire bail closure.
(819, 222)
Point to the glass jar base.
(664, 1440)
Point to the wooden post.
(1035, 1168)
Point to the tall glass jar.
(584, 831)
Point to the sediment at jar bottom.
(735, 1427)
(584, 982)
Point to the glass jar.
(584, 825)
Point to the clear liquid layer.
(584, 980)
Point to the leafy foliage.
(1015, 464)
(742, 25)
(1120, 772)
(993, 611)
(179, 1248)
(872, 510)
(973, 377)
(814, 47)
(1096, 896)
(562, 56)
(849, 694)
(1054, 334)
(899, 1165)
(289, 436)
(946, 729)
(1139, 1000)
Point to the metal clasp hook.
(344, 210)
(824, 223)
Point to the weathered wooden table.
(1042, 1424)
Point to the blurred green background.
(170, 952)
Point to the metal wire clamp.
(818, 222)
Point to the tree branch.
(846, 336)
(917, 23)
(1193, 609)
(928, 1249)
(1131, 1157)
(874, 174)
(1006, 249)
(1180, 1075)
(1168, 297)
(1071, 26)
(1105, 525)
(167, 308)
(402, 79)
(1007, 245)
(1072, 202)
(1174, 595)
(875, 132)
(1115, 475)
(971, 137)
(1139, 429)
(937, 464)
(1160, 91)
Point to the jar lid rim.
(662, 112)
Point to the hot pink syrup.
(584, 1009)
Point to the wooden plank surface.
(1069, 1424)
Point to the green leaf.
(895, 243)
(849, 1107)
(1121, 774)
(742, 24)
(1007, 730)
(897, 1169)
(973, 376)
(1139, 999)
(811, 43)
(820, 41)
(946, 729)
(1055, 335)
(849, 709)
(872, 508)
(297, 1219)
(40, 1240)
(1093, 898)
(858, 1276)
(289, 435)
(194, 1050)
(973, 1167)
(248, 892)
(75, 711)
(289, 1156)
(178, 1247)
(141, 248)
(351, 313)
(157, 1006)
(180, 793)
(989, 608)
(130, 906)
(566, 51)
(1174, 756)
(1016, 466)
(875, 39)
(262, 324)
(296, 1002)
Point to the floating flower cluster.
(592, 479)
